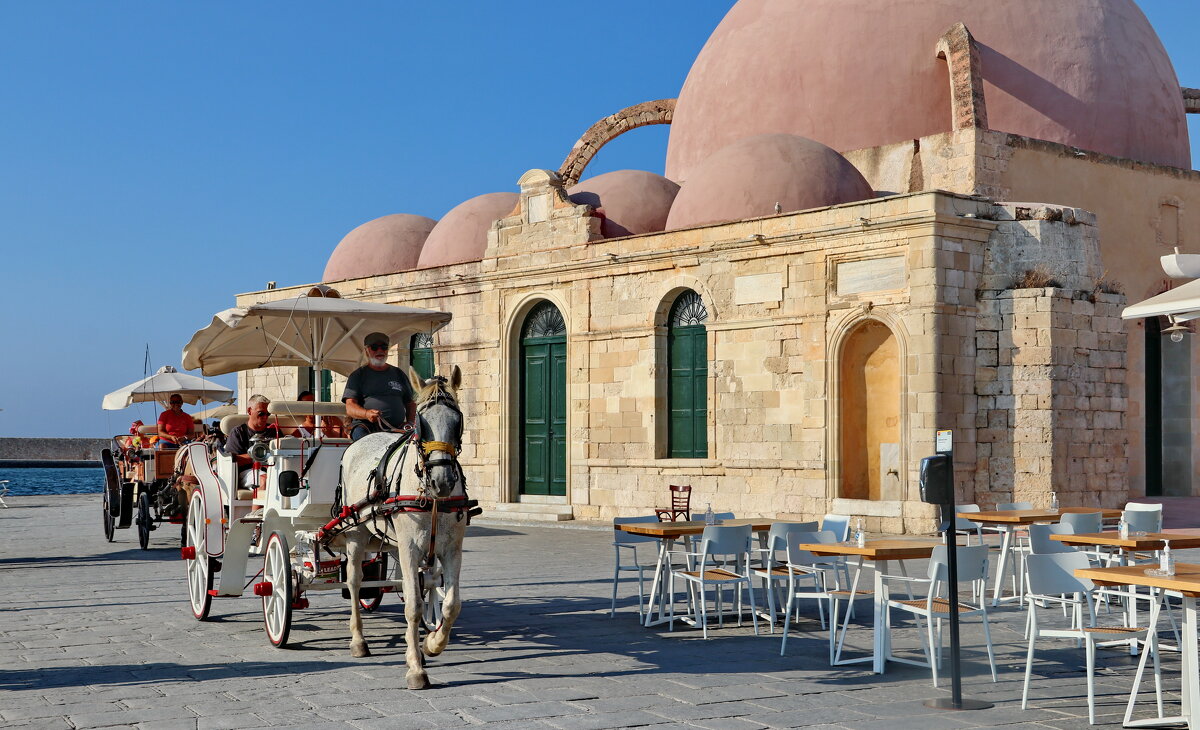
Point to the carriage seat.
(151, 430)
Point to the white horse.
(426, 470)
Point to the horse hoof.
(358, 651)
(420, 680)
(431, 649)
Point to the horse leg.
(451, 561)
(355, 552)
(416, 676)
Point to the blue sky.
(157, 158)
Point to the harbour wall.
(32, 452)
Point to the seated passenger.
(308, 429)
(175, 427)
(333, 427)
(240, 438)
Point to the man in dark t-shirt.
(378, 396)
(258, 426)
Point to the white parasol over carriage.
(318, 330)
(164, 383)
(1179, 305)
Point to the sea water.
(55, 480)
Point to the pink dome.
(461, 235)
(382, 246)
(747, 178)
(854, 74)
(632, 202)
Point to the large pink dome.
(461, 235)
(382, 246)
(854, 74)
(631, 202)
(747, 178)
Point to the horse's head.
(439, 429)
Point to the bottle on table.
(1166, 561)
(1123, 529)
(1054, 501)
(860, 537)
(709, 517)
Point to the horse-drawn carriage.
(138, 488)
(385, 513)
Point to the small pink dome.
(461, 235)
(854, 74)
(631, 202)
(747, 178)
(382, 246)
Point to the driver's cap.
(376, 338)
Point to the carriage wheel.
(277, 605)
(199, 568)
(110, 523)
(380, 573)
(431, 602)
(143, 520)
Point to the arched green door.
(544, 402)
(687, 386)
(421, 354)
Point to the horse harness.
(380, 503)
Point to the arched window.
(420, 349)
(687, 380)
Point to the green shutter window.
(322, 387)
(420, 350)
(687, 385)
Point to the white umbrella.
(161, 385)
(318, 330)
(1182, 303)
(215, 412)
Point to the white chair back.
(972, 564)
(1140, 520)
(1082, 522)
(1041, 544)
(796, 556)
(782, 534)
(626, 538)
(1143, 507)
(1009, 506)
(839, 525)
(1052, 575)
(725, 540)
(962, 523)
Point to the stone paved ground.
(94, 634)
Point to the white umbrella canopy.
(160, 386)
(319, 330)
(215, 412)
(1182, 303)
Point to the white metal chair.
(1052, 580)
(839, 525)
(3, 493)
(1143, 520)
(723, 560)
(972, 568)
(824, 590)
(630, 542)
(965, 526)
(773, 570)
(1041, 544)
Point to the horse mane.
(435, 389)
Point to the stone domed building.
(849, 251)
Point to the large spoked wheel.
(110, 522)
(143, 520)
(277, 604)
(431, 603)
(199, 568)
(375, 571)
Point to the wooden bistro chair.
(681, 504)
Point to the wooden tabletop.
(1186, 579)
(1181, 539)
(674, 530)
(1032, 516)
(888, 548)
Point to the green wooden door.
(687, 386)
(421, 354)
(544, 403)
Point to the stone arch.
(609, 128)
(669, 291)
(868, 409)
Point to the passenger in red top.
(174, 426)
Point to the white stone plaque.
(539, 208)
(857, 277)
(758, 289)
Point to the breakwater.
(58, 452)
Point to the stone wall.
(51, 449)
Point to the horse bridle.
(426, 449)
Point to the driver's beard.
(378, 362)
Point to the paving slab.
(99, 634)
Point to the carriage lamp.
(1176, 332)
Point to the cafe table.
(1185, 581)
(667, 533)
(879, 552)
(1009, 521)
(1181, 539)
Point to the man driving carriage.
(174, 426)
(378, 395)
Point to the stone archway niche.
(870, 417)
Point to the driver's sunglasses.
(377, 346)
(176, 402)
(261, 413)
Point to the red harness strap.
(399, 503)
